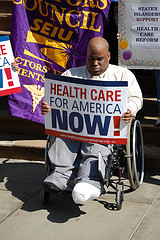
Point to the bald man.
(75, 164)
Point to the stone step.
(22, 147)
(14, 125)
(151, 135)
(3, 33)
(149, 109)
(5, 6)
(5, 17)
(5, 22)
(29, 148)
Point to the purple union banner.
(50, 36)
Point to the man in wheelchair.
(75, 164)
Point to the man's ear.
(109, 56)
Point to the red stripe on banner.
(10, 91)
(122, 141)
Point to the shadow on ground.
(24, 181)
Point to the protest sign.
(139, 28)
(9, 80)
(50, 36)
(86, 110)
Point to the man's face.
(97, 60)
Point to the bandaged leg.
(83, 191)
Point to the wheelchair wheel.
(135, 154)
(47, 161)
(119, 199)
(44, 195)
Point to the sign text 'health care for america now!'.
(86, 110)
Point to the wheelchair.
(124, 158)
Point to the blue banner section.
(4, 38)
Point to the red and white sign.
(86, 110)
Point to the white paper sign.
(139, 30)
(86, 110)
(146, 26)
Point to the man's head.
(98, 56)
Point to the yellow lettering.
(85, 3)
(44, 69)
(25, 62)
(39, 67)
(92, 5)
(32, 65)
(19, 59)
(60, 35)
(84, 25)
(54, 32)
(40, 8)
(31, 74)
(56, 72)
(36, 24)
(43, 79)
(93, 21)
(46, 28)
(38, 76)
(34, 5)
(68, 15)
(74, 4)
(19, 69)
(23, 72)
(104, 4)
(20, 2)
(57, 13)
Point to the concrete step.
(149, 109)
(14, 125)
(24, 147)
(5, 6)
(5, 17)
(3, 33)
(5, 22)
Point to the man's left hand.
(127, 116)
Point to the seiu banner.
(86, 110)
(50, 36)
(139, 29)
(9, 80)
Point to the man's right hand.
(44, 108)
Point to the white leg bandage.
(83, 191)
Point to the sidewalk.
(22, 216)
